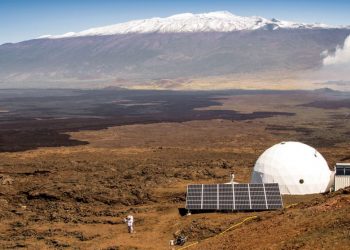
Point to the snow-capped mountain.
(185, 45)
(220, 21)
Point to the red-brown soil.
(76, 197)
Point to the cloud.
(340, 57)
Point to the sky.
(27, 19)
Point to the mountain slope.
(143, 56)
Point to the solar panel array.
(252, 196)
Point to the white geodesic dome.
(296, 167)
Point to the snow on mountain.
(220, 21)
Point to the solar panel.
(253, 196)
(194, 196)
(273, 196)
(226, 197)
(210, 197)
(242, 197)
(258, 197)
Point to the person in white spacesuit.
(129, 220)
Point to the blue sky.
(26, 19)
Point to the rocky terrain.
(59, 196)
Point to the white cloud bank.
(335, 70)
(341, 56)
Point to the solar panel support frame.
(265, 196)
(250, 199)
(233, 197)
